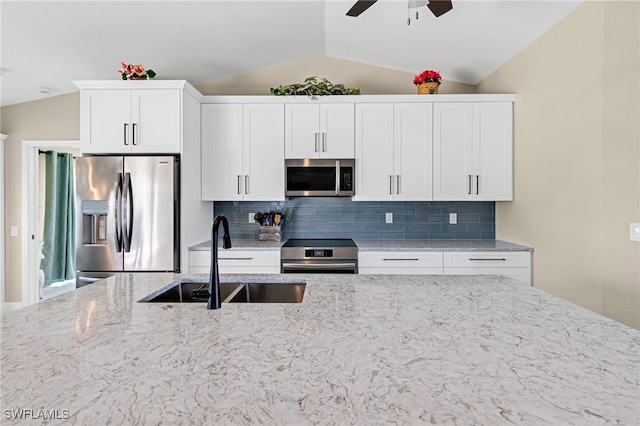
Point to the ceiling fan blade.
(440, 7)
(360, 6)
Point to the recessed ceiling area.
(49, 43)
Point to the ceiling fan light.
(440, 7)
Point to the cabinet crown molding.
(138, 85)
(334, 99)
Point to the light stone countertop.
(359, 349)
(385, 245)
(439, 245)
(242, 244)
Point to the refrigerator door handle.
(127, 221)
(118, 213)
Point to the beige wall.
(369, 79)
(577, 157)
(54, 118)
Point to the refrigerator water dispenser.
(94, 221)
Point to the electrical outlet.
(388, 217)
(634, 232)
(251, 220)
(14, 231)
(453, 218)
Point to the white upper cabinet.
(393, 151)
(412, 155)
(123, 121)
(472, 151)
(315, 130)
(242, 152)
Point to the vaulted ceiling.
(46, 44)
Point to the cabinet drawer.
(399, 259)
(235, 258)
(485, 259)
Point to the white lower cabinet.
(516, 265)
(236, 261)
(400, 262)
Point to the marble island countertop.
(358, 350)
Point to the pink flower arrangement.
(135, 72)
(427, 75)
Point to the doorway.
(32, 209)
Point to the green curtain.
(59, 261)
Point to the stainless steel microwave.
(319, 178)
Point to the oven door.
(314, 266)
(319, 178)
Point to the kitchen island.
(357, 350)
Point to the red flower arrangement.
(135, 72)
(427, 75)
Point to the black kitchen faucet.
(214, 277)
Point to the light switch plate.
(251, 220)
(388, 217)
(14, 231)
(453, 218)
(634, 232)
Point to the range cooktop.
(319, 242)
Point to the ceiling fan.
(437, 7)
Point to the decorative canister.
(428, 88)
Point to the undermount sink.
(259, 292)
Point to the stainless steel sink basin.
(263, 292)
(268, 293)
(181, 292)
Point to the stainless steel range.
(319, 256)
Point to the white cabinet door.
(302, 131)
(222, 156)
(337, 130)
(472, 151)
(120, 121)
(452, 151)
(412, 157)
(263, 134)
(155, 121)
(493, 157)
(105, 121)
(242, 152)
(319, 131)
(374, 152)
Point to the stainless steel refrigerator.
(127, 220)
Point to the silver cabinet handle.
(412, 259)
(469, 185)
(477, 184)
(236, 258)
(133, 133)
(390, 184)
(337, 177)
(246, 184)
(324, 142)
(492, 260)
(239, 183)
(126, 141)
(397, 184)
(316, 142)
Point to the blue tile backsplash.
(333, 217)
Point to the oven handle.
(350, 265)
